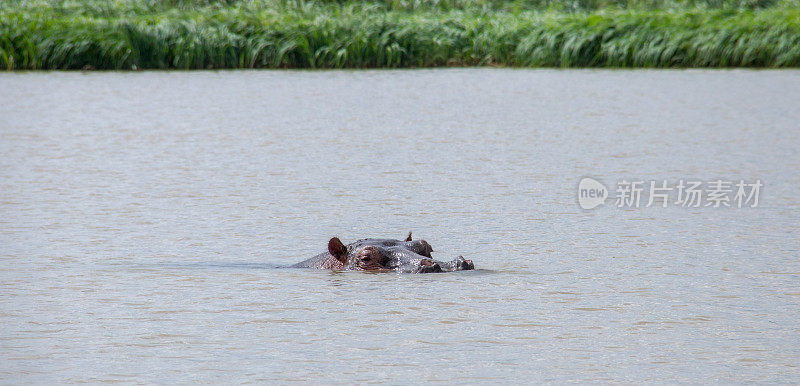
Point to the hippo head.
(391, 255)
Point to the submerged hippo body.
(383, 255)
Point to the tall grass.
(198, 34)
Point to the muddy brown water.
(143, 218)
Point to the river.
(145, 218)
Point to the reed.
(201, 34)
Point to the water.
(144, 218)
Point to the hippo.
(406, 256)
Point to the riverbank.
(125, 35)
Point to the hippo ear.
(409, 237)
(337, 249)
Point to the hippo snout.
(429, 266)
(459, 264)
(463, 264)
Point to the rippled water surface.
(144, 218)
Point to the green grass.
(200, 34)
